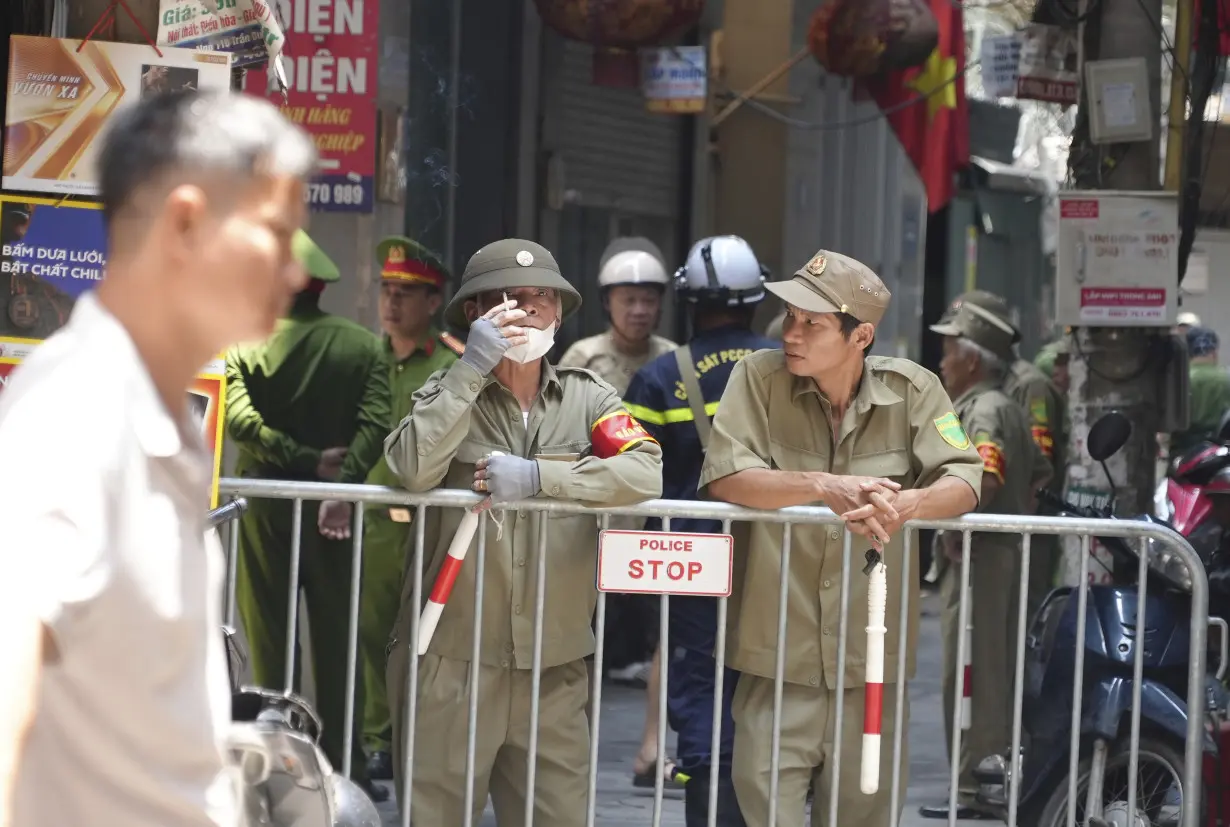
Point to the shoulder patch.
(949, 428)
(453, 343)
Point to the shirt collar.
(426, 347)
(550, 378)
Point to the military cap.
(833, 283)
(314, 260)
(987, 300)
(405, 260)
(980, 326)
(505, 265)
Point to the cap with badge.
(996, 305)
(980, 326)
(833, 283)
(505, 265)
(405, 260)
(313, 259)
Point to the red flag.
(927, 108)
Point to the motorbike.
(284, 777)
(1180, 498)
(1110, 639)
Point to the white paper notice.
(1119, 105)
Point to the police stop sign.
(661, 562)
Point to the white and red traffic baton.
(967, 684)
(443, 586)
(873, 686)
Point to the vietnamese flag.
(927, 108)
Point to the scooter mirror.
(1108, 435)
(1223, 430)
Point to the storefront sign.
(1118, 259)
(1047, 69)
(331, 67)
(674, 79)
(59, 101)
(244, 28)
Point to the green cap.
(505, 265)
(314, 260)
(996, 305)
(980, 326)
(406, 260)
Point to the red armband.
(1043, 439)
(615, 433)
(992, 458)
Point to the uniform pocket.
(894, 464)
(792, 458)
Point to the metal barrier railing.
(1026, 526)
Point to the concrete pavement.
(622, 805)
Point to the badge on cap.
(525, 258)
(816, 265)
(397, 254)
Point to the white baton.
(443, 586)
(873, 688)
(967, 684)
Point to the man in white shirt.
(104, 481)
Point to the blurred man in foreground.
(201, 195)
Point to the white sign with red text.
(661, 562)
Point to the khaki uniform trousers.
(995, 582)
(501, 757)
(807, 742)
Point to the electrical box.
(1117, 263)
(1120, 110)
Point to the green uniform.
(385, 532)
(1001, 434)
(588, 449)
(1210, 399)
(899, 425)
(318, 382)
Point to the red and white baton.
(967, 685)
(443, 586)
(873, 686)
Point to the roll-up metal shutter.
(616, 154)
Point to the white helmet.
(633, 267)
(722, 270)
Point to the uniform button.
(400, 368)
(422, 451)
(555, 489)
(521, 514)
(517, 611)
(504, 664)
(520, 562)
(833, 534)
(514, 418)
(508, 648)
(828, 584)
(473, 386)
(826, 630)
(813, 680)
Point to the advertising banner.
(330, 57)
(61, 94)
(244, 28)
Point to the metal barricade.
(1025, 526)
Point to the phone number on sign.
(348, 194)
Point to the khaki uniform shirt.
(900, 425)
(1001, 434)
(599, 354)
(1045, 408)
(459, 417)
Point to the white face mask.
(540, 341)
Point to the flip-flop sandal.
(648, 779)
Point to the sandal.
(648, 778)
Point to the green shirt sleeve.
(246, 426)
(421, 448)
(375, 410)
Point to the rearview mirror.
(1223, 430)
(1106, 436)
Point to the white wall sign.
(660, 562)
(674, 79)
(999, 60)
(1118, 259)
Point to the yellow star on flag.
(935, 81)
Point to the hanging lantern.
(617, 28)
(860, 38)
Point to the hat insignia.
(525, 258)
(397, 254)
(816, 265)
